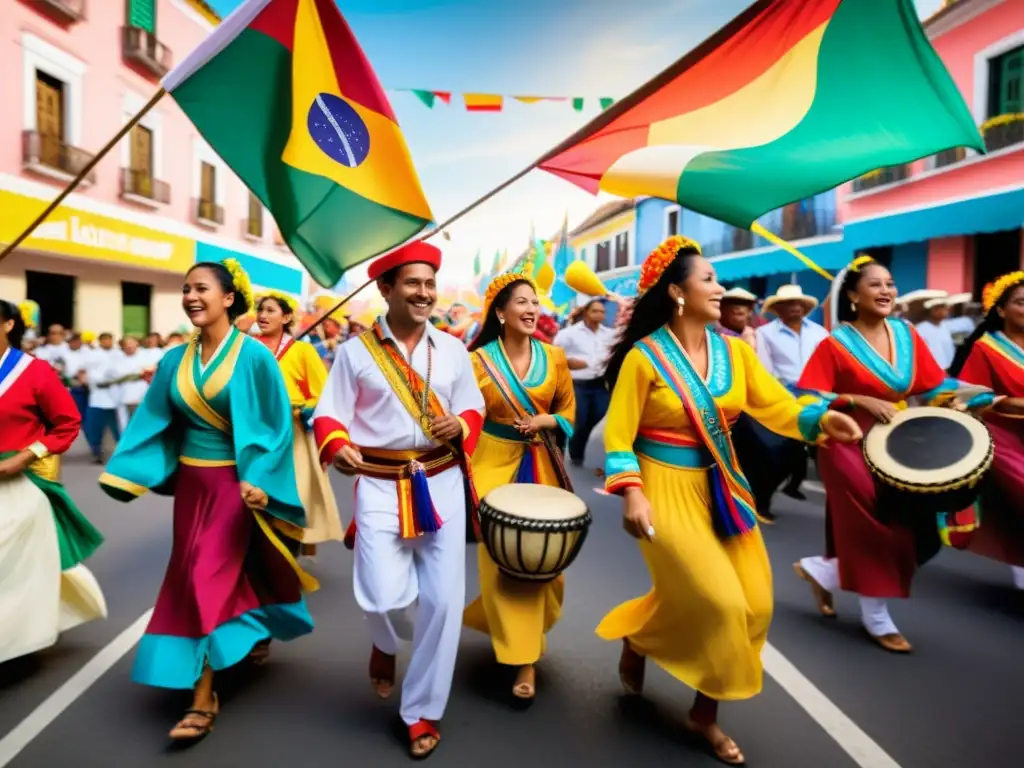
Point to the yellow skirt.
(706, 617)
(315, 492)
(515, 614)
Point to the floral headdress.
(995, 291)
(503, 281)
(240, 280)
(657, 261)
(834, 298)
(858, 263)
(29, 311)
(280, 297)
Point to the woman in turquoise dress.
(214, 431)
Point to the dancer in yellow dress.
(305, 376)
(528, 394)
(678, 385)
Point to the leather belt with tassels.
(409, 470)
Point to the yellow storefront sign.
(69, 232)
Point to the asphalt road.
(829, 693)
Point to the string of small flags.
(495, 102)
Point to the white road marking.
(847, 734)
(49, 710)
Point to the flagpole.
(86, 170)
(313, 326)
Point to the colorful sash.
(420, 516)
(499, 368)
(14, 364)
(733, 511)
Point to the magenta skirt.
(1001, 535)
(227, 586)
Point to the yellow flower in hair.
(240, 279)
(860, 261)
(657, 261)
(282, 298)
(502, 281)
(994, 292)
(29, 313)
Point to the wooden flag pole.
(82, 174)
(335, 308)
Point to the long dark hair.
(9, 311)
(490, 328)
(227, 284)
(991, 323)
(284, 306)
(844, 310)
(650, 311)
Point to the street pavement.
(832, 699)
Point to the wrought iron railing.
(40, 149)
(142, 48)
(140, 183)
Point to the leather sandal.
(196, 723)
(822, 596)
(893, 642)
(631, 670)
(721, 746)
(382, 672)
(423, 739)
(525, 687)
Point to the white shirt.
(55, 355)
(960, 325)
(939, 341)
(131, 392)
(152, 356)
(75, 361)
(785, 353)
(592, 347)
(101, 367)
(359, 397)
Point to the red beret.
(416, 252)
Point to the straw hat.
(789, 293)
(740, 295)
(932, 303)
(960, 298)
(924, 294)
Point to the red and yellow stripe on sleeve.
(331, 436)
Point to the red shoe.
(423, 739)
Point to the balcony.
(143, 49)
(141, 187)
(252, 228)
(801, 221)
(881, 177)
(949, 157)
(64, 11)
(1003, 131)
(208, 213)
(50, 156)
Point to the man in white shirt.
(937, 335)
(55, 348)
(401, 409)
(587, 344)
(129, 367)
(76, 360)
(784, 346)
(100, 373)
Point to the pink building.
(111, 258)
(954, 221)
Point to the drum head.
(928, 446)
(536, 502)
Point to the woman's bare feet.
(631, 670)
(722, 747)
(382, 672)
(525, 686)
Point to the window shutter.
(1011, 78)
(142, 14)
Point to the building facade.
(953, 221)
(111, 258)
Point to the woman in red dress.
(44, 589)
(993, 356)
(874, 362)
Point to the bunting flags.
(495, 102)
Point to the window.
(603, 258)
(209, 184)
(52, 91)
(207, 191)
(1006, 73)
(254, 224)
(140, 168)
(142, 179)
(142, 14)
(49, 118)
(671, 221)
(622, 249)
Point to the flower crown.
(860, 261)
(240, 280)
(657, 261)
(503, 281)
(994, 291)
(29, 313)
(281, 298)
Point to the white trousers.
(391, 574)
(1018, 576)
(874, 611)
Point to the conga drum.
(533, 532)
(929, 459)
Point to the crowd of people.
(713, 400)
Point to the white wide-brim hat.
(739, 294)
(960, 298)
(924, 294)
(789, 293)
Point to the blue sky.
(588, 48)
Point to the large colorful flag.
(282, 92)
(791, 98)
(562, 294)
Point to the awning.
(829, 253)
(987, 213)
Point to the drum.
(929, 459)
(533, 532)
